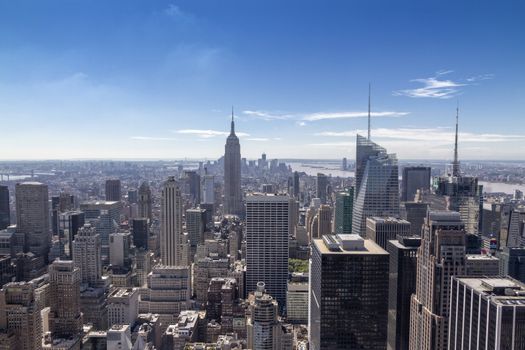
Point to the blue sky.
(156, 79)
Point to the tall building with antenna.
(463, 194)
(232, 174)
(369, 93)
(377, 184)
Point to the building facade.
(402, 284)
(267, 236)
(383, 229)
(5, 211)
(171, 238)
(113, 192)
(348, 294)
(232, 174)
(487, 313)
(440, 256)
(377, 184)
(87, 255)
(32, 216)
(414, 178)
(344, 205)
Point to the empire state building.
(232, 174)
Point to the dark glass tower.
(402, 284)
(414, 178)
(344, 205)
(113, 193)
(322, 184)
(5, 215)
(140, 232)
(349, 294)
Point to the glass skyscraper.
(344, 205)
(377, 185)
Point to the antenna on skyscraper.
(455, 165)
(369, 88)
(233, 125)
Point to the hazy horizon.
(157, 79)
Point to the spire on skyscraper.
(455, 164)
(232, 130)
(369, 88)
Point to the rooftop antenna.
(369, 88)
(455, 164)
(233, 124)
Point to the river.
(334, 169)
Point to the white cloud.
(152, 138)
(440, 135)
(303, 118)
(437, 87)
(480, 77)
(433, 87)
(268, 116)
(346, 115)
(173, 11)
(202, 133)
(261, 139)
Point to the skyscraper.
(440, 256)
(232, 174)
(296, 184)
(377, 184)
(21, 313)
(415, 213)
(140, 230)
(462, 193)
(344, 205)
(487, 313)
(145, 201)
(348, 294)
(208, 191)
(168, 292)
(267, 234)
(321, 187)
(113, 190)
(195, 225)
(383, 229)
(171, 224)
(414, 178)
(64, 283)
(512, 263)
(5, 214)
(32, 216)
(402, 284)
(264, 329)
(193, 182)
(87, 255)
(69, 223)
(324, 220)
(516, 231)
(105, 216)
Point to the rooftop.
(487, 257)
(500, 290)
(350, 244)
(387, 219)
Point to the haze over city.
(157, 79)
(262, 175)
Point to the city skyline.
(159, 85)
